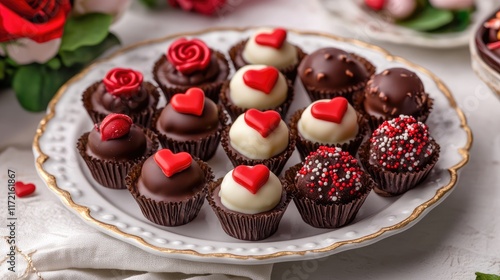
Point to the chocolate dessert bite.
(487, 40)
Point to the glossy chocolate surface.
(484, 36)
(106, 103)
(131, 146)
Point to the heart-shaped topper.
(170, 163)
(264, 122)
(331, 111)
(23, 189)
(262, 80)
(114, 126)
(251, 177)
(275, 39)
(192, 102)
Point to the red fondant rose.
(189, 56)
(122, 82)
(39, 20)
(206, 7)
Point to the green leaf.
(36, 84)
(483, 276)
(84, 55)
(54, 63)
(428, 19)
(86, 30)
(2, 69)
(149, 3)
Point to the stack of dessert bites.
(160, 154)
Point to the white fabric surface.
(66, 248)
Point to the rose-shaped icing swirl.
(123, 82)
(189, 56)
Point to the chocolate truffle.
(393, 92)
(331, 72)
(487, 40)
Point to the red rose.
(206, 7)
(39, 20)
(122, 82)
(189, 55)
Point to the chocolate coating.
(331, 69)
(217, 70)
(106, 103)
(153, 183)
(393, 92)
(184, 127)
(484, 36)
(131, 146)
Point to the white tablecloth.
(459, 237)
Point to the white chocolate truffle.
(237, 198)
(400, 9)
(253, 53)
(247, 97)
(327, 132)
(251, 144)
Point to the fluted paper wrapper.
(348, 93)
(326, 215)
(234, 110)
(290, 71)
(390, 183)
(211, 89)
(305, 147)
(275, 163)
(203, 148)
(375, 122)
(109, 173)
(169, 214)
(251, 227)
(142, 118)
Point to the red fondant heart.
(23, 189)
(262, 80)
(114, 126)
(264, 122)
(191, 102)
(171, 163)
(252, 178)
(331, 111)
(274, 39)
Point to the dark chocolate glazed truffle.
(183, 127)
(487, 41)
(330, 175)
(105, 102)
(154, 184)
(132, 145)
(393, 92)
(401, 145)
(332, 69)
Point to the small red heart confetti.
(170, 163)
(274, 39)
(192, 102)
(251, 177)
(264, 122)
(263, 80)
(115, 126)
(23, 189)
(376, 5)
(331, 111)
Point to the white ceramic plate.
(367, 25)
(116, 213)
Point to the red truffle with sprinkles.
(330, 175)
(401, 145)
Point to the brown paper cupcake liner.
(142, 118)
(305, 147)
(275, 163)
(203, 148)
(234, 110)
(375, 122)
(327, 215)
(390, 183)
(211, 89)
(347, 92)
(245, 226)
(109, 173)
(173, 213)
(290, 71)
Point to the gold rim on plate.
(85, 211)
